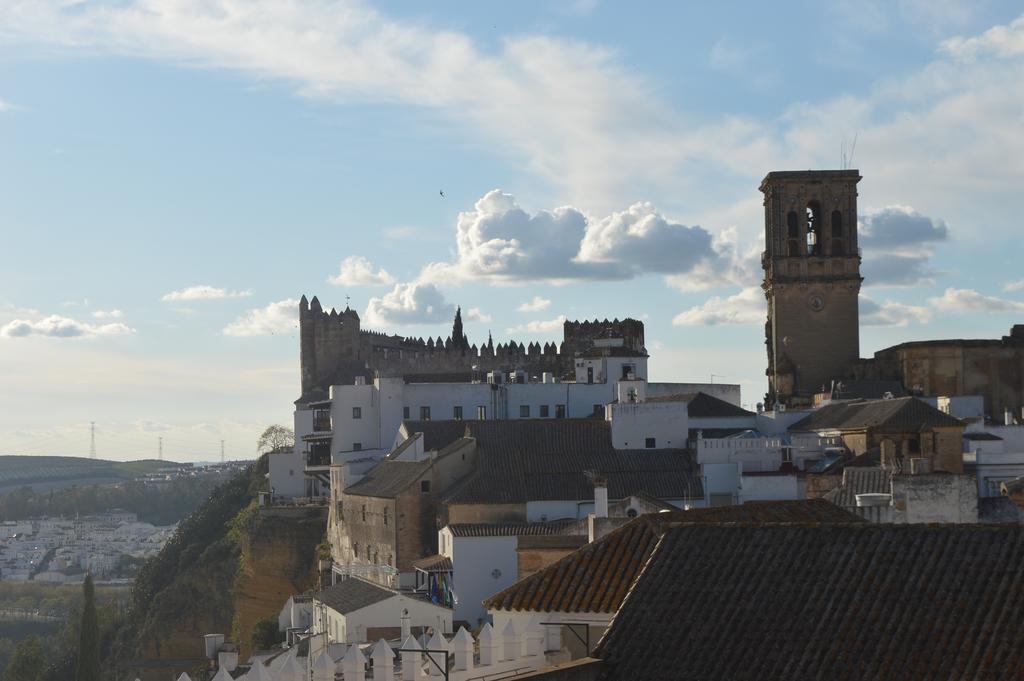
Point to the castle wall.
(334, 348)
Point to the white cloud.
(538, 304)
(891, 313)
(56, 326)
(475, 314)
(969, 300)
(577, 114)
(410, 303)
(733, 264)
(746, 307)
(500, 242)
(539, 326)
(204, 292)
(1001, 41)
(1011, 286)
(356, 270)
(107, 314)
(5, 106)
(279, 317)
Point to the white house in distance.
(356, 610)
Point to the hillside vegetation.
(62, 471)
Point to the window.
(355, 549)
(481, 413)
(559, 411)
(364, 513)
(357, 446)
(650, 443)
(524, 411)
(321, 419)
(424, 413)
(405, 412)
(787, 455)
(357, 412)
(792, 234)
(813, 227)
(425, 486)
(457, 413)
(837, 224)
(385, 517)
(590, 375)
(598, 410)
(545, 411)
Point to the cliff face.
(278, 559)
(228, 566)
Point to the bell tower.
(811, 280)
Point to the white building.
(356, 610)
(358, 422)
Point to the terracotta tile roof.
(510, 529)
(389, 478)
(436, 434)
(844, 603)
(597, 577)
(902, 412)
(547, 459)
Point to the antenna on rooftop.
(92, 439)
(846, 159)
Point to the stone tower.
(811, 280)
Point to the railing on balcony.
(321, 423)
(318, 457)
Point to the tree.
(27, 661)
(265, 634)
(275, 438)
(89, 641)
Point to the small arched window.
(813, 227)
(793, 225)
(837, 224)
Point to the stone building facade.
(812, 281)
(382, 524)
(991, 368)
(334, 348)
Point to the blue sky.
(176, 173)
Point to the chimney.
(600, 497)
(406, 625)
(1007, 417)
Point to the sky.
(176, 174)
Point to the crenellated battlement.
(334, 348)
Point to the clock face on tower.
(816, 302)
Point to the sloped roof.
(353, 594)
(389, 478)
(845, 602)
(903, 412)
(597, 577)
(547, 459)
(702, 405)
(982, 436)
(435, 563)
(436, 434)
(860, 480)
(509, 529)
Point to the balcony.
(322, 424)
